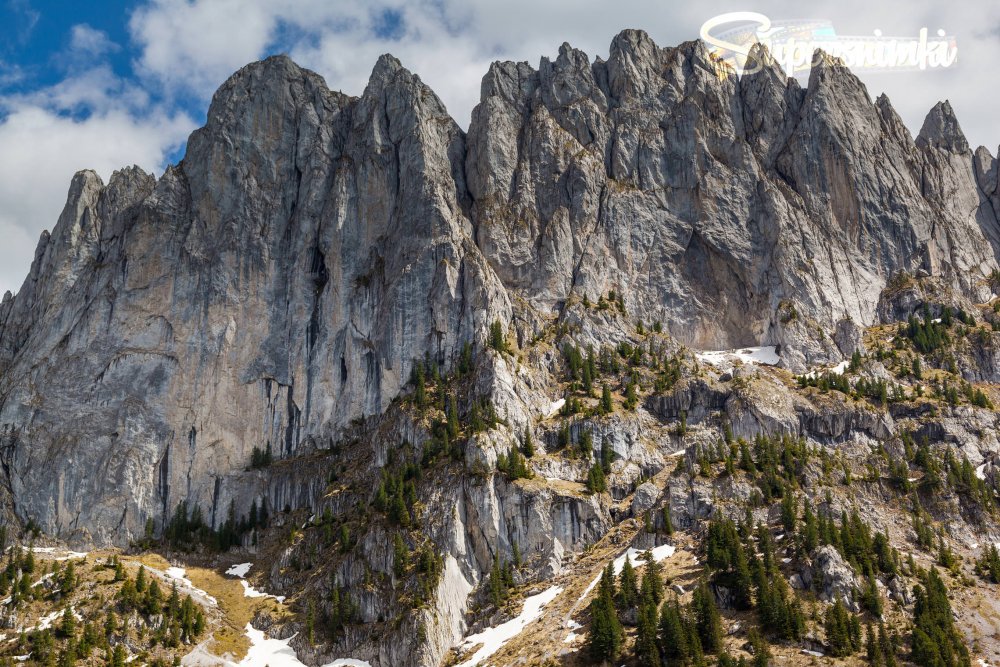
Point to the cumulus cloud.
(93, 121)
(90, 41)
(193, 45)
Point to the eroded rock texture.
(272, 290)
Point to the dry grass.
(234, 611)
(237, 609)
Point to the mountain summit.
(330, 294)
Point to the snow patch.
(836, 370)
(555, 406)
(981, 471)
(767, 355)
(178, 575)
(46, 622)
(492, 639)
(43, 578)
(251, 592)
(279, 653)
(66, 554)
(659, 553)
(815, 654)
(239, 570)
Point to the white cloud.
(42, 145)
(193, 45)
(196, 45)
(90, 41)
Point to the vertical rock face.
(709, 200)
(274, 286)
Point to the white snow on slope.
(239, 570)
(264, 651)
(836, 370)
(178, 574)
(65, 553)
(278, 653)
(249, 591)
(492, 639)
(555, 406)
(767, 355)
(659, 553)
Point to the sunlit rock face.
(273, 290)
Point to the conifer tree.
(708, 621)
(674, 634)
(607, 405)
(628, 587)
(606, 632)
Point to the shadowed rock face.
(278, 282)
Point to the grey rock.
(645, 498)
(833, 578)
(274, 288)
(847, 337)
(899, 591)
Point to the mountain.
(349, 311)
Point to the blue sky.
(109, 84)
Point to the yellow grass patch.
(237, 610)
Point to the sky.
(110, 84)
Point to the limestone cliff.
(274, 290)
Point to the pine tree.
(708, 622)
(668, 524)
(607, 405)
(500, 580)
(761, 651)
(841, 635)
(810, 529)
(452, 417)
(628, 588)
(311, 622)
(935, 640)
(527, 445)
(647, 650)
(886, 646)
(67, 582)
(652, 582)
(606, 632)
(870, 597)
(674, 634)
(400, 555)
(67, 624)
(989, 564)
(789, 512)
(118, 656)
(596, 482)
(497, 339)
(153, 604)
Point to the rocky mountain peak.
(942, 131)
(286, 287)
